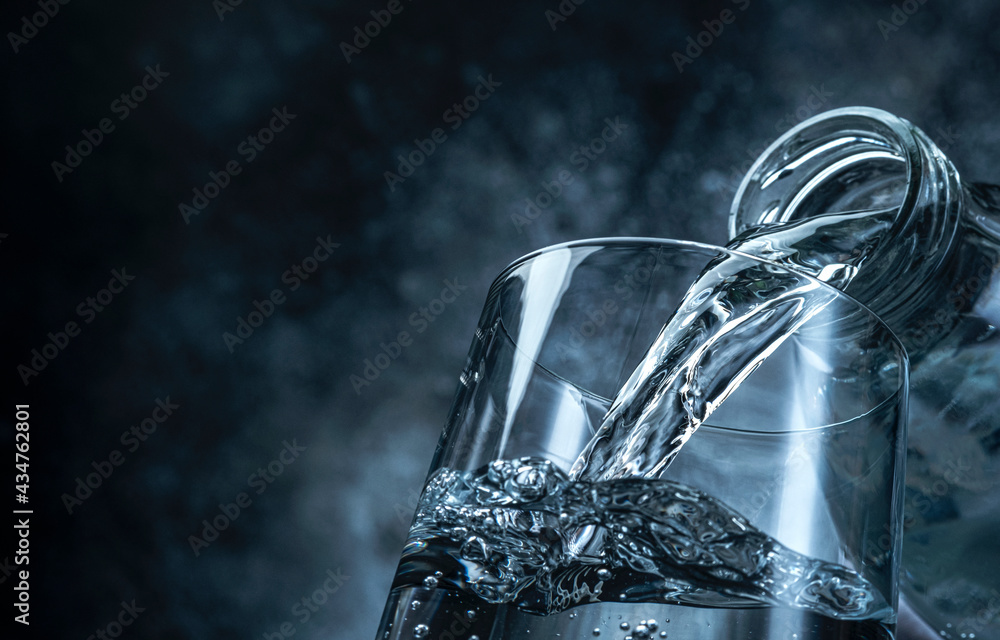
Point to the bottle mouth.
(817, 167)
(860, 159)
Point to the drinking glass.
(780, 518)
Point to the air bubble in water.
(624, 626)
(572, 615)
(470, 614)
(415, 604)
(603, 574)
(597, 631)
(430, 582)
(421, 631)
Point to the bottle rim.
(925, 226)
(895, 132)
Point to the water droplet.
(471, 614)
(663, 634)
(603, 574)
(597, 631)
(421, 631)
(625, 626)
(473, 637)
(572, 615)
(430, 582)
(652, 624)
(621, 596)
(641, 632)
(415, 604)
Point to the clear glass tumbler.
(780, 518)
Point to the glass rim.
(691, 244)
(638, 242)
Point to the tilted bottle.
(929, 265)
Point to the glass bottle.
(924, 249)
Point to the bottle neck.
(854, 160)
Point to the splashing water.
(524, 533)
(504, 532)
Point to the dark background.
(344, 504)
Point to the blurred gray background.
(688, 128)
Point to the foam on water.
(506, 533)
